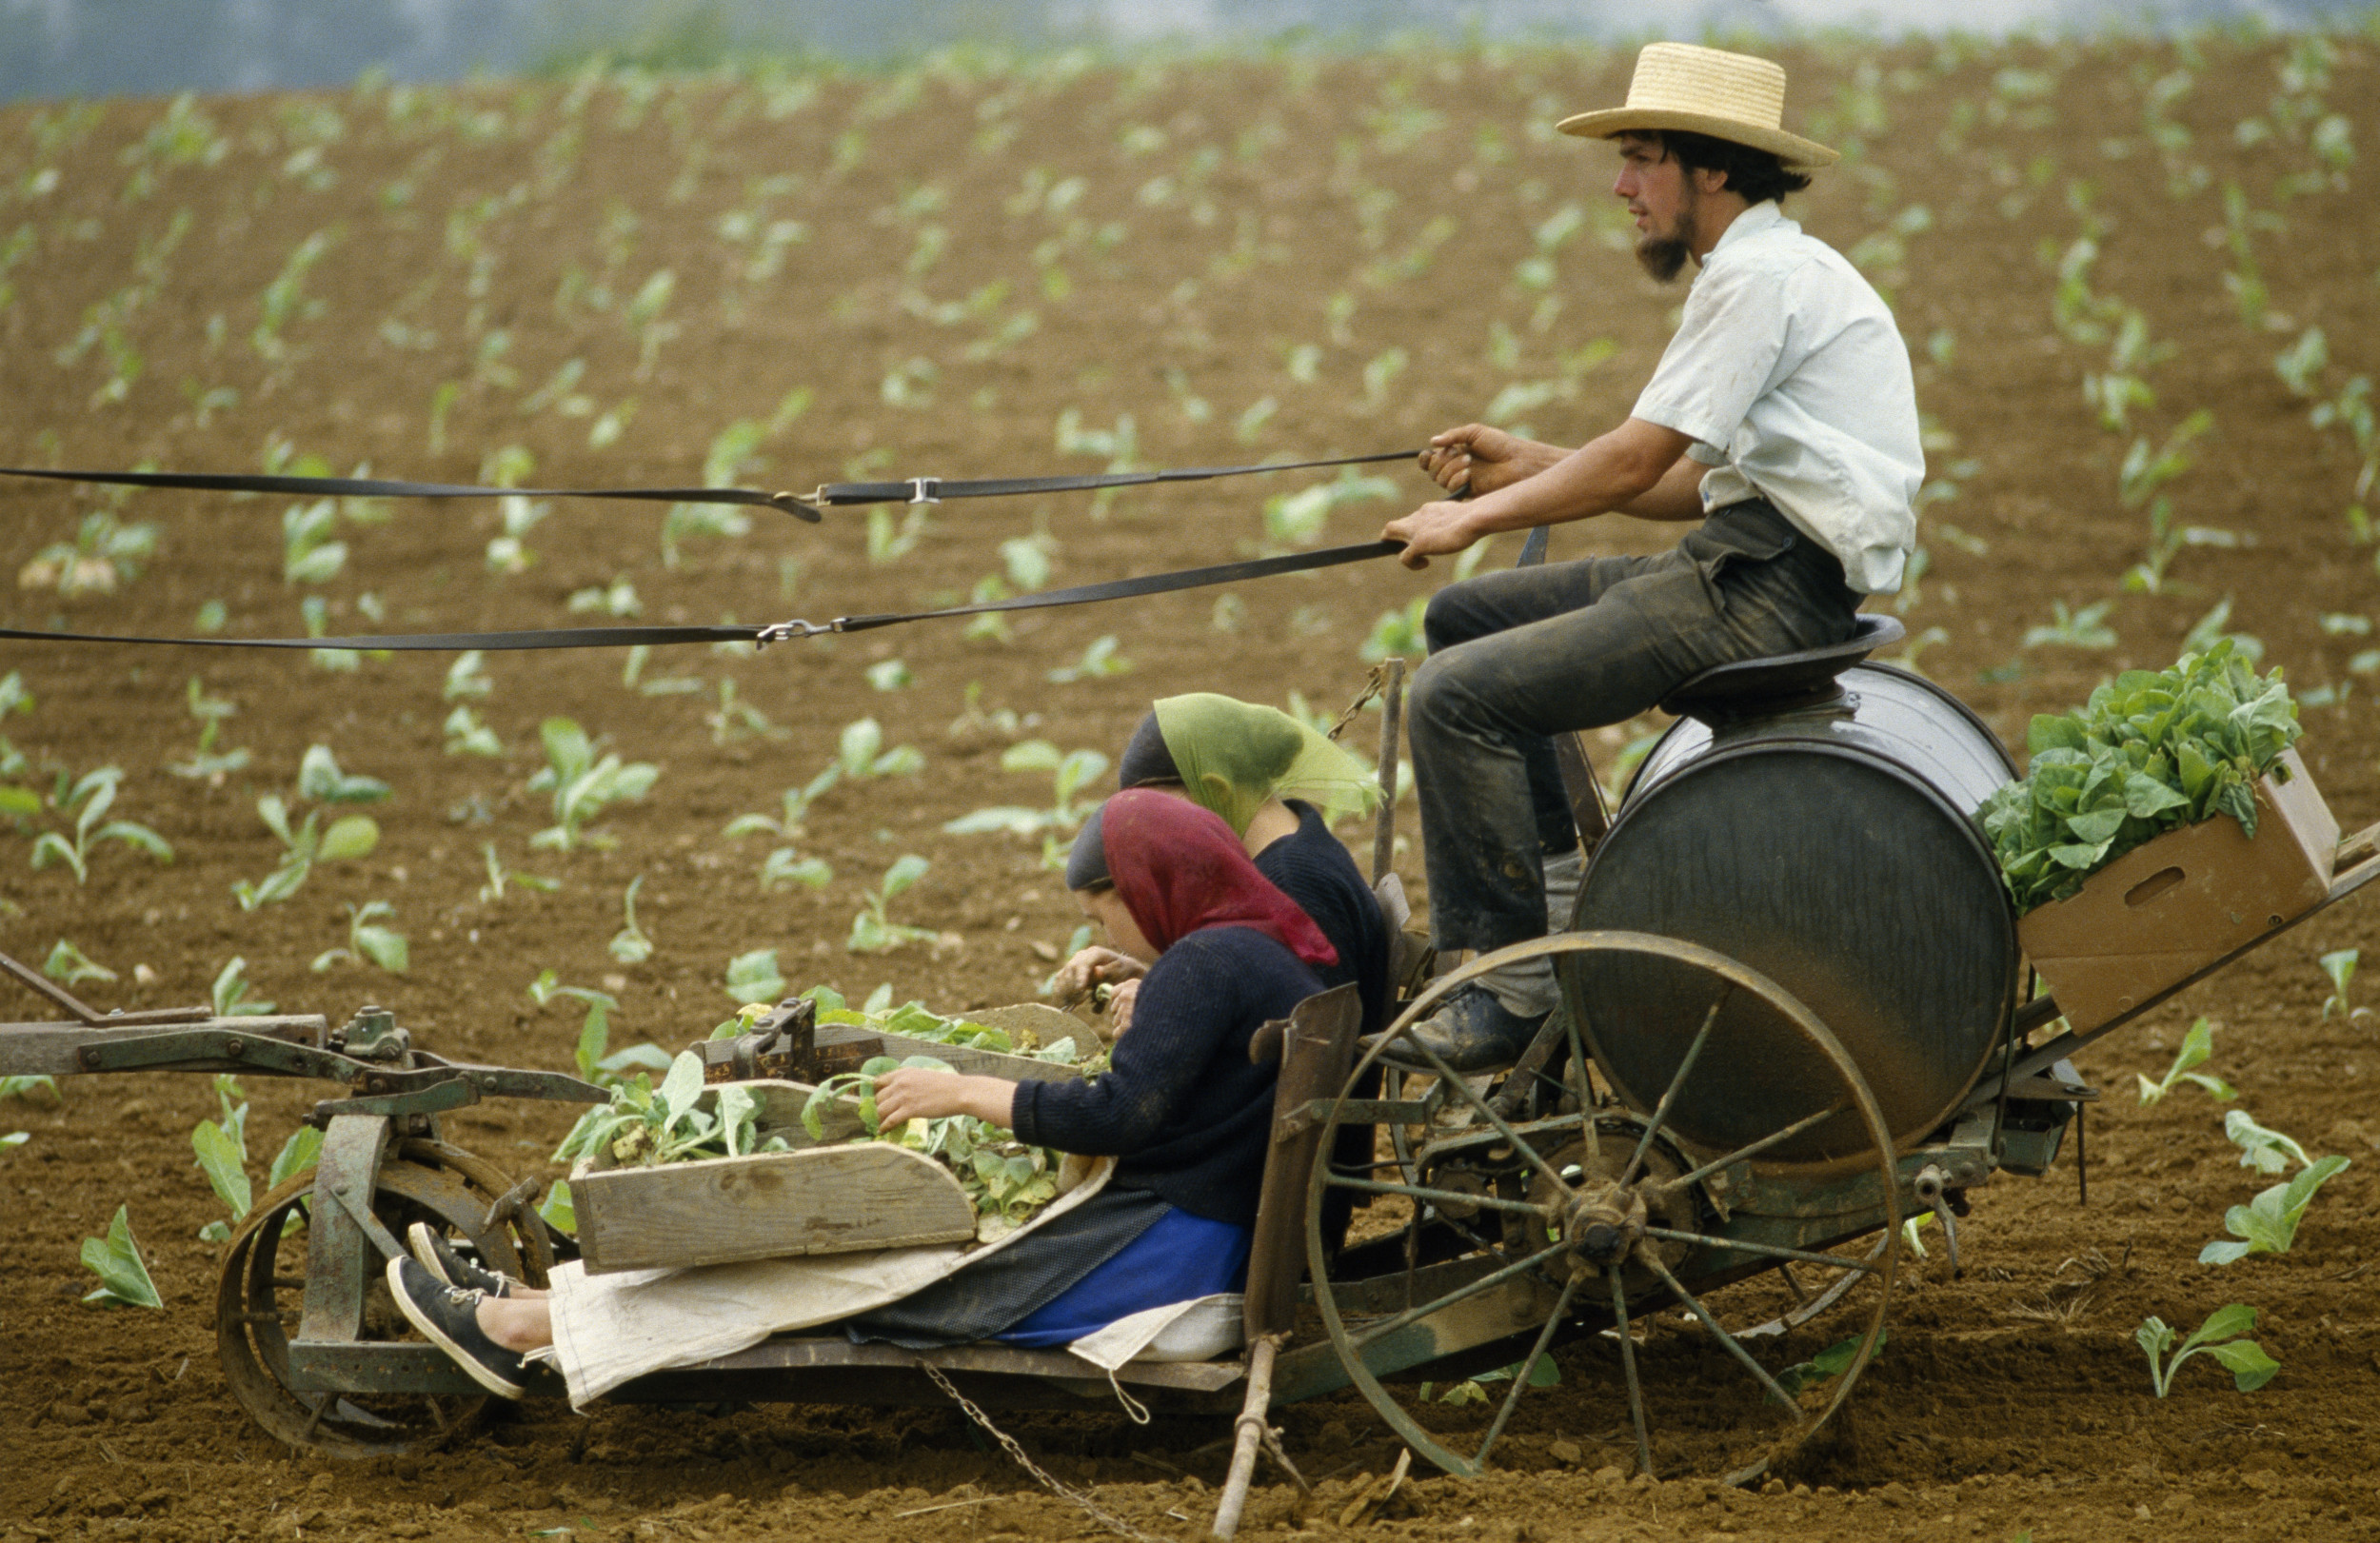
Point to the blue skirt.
(1179, 1259)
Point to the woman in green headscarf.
(1278, 783)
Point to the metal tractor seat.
(1782, 683)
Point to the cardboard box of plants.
(2160, 829)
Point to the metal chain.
(1008, 1444)
(1372, 687)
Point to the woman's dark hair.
(1752, 175)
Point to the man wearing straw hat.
(1782, 417)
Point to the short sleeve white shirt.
(1789, 375)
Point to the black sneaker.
(448, 1317)
(1470, 1032)
(439, 1258)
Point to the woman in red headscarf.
(1181, 1107)
(1183, 1111)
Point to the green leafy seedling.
(71, 964)
(582, 784)
(872, 930)
(1826, 1365)
(229, 993)
(557, 1209)
(2260, 1147)
(350, 837)
(465, 677)
(1070, 773)
(207, 762)
(34, 1088)
(2219, 1336)
(629, 945)
(367, 939)
(466, 735)
(754, 976)
(2198, 1045)
(2340, 969)
(783, 868)
(320, 779)
(860, 753)
(2268, 1224)
(1098, 662)
(94, 794)
(499, 875)
(116, 1260)
(221, 1160)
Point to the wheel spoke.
(1764, 1143)
(1653, 1259)
(1389, 1326)
(1592, 1163)
(1668, 1097)
(1449, 1077)
(1490, 1202)
(1766, 1250)
(1628, 1372)
(1528, 1365)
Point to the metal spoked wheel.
(1614, 1216)
(259, 1299)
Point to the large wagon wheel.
(257, 1300)
(1612, 1224)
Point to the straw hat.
(1730, 96)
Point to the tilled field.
(980, 268)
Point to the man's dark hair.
(1751, 176)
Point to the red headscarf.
(1178, 868)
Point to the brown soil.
(2011, 1401)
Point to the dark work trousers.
(1519, 655)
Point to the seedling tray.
(812, 1199)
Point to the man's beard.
(1664, 257)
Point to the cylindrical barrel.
(1836, 851)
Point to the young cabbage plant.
(71, 965)
(116, 1260)
(582, 784)
(467, 736)
(367, 939)
(1398, 633)
(644, 1124)
(2198, 1047)
(796, 804)
(2268, 1224)
(93, 795)
(229, 993)
(754, 978)
(2339, 968)
(1098, 662)
(2261, 1147)
(319, 777)
(350, 837)
(103, 553)
(465, 677)
(1070, 773)
(310, 550)
(872, 930)
(737, 719)
(2219, 1336)
(860, 751)
(782, 868)
(629, 945)
(207, 762)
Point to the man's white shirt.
(1789, 375)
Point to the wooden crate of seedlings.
(718, 1173)
(2186, 901)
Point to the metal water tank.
(1834, 849)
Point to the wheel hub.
(1603, 1224)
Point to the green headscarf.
(1235, 755)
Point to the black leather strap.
(1153, 583)
(379, 488)
(933, 490)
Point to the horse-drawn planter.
(1798, 1012)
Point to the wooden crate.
(812, 1199)
(2163, 912)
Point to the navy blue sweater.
(1312, 869)
(1181, 1107)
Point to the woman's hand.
(1119, 1008)
(913, 1092)
(1094, 966)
